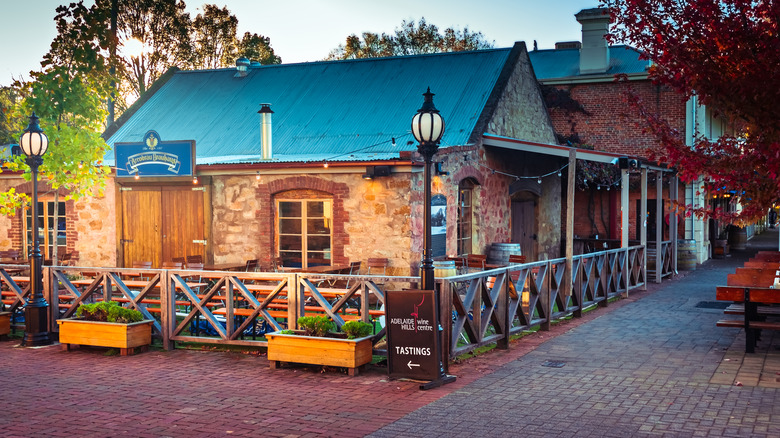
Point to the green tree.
(257, 48)
(411, 38)
(71, 113)
(84, 37)
(215, 42)
(214, 38)
(8, 98)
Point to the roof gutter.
(591, 79)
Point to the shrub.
(316, 325)
(108, 311)
(357, 329)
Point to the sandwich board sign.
(413, 349)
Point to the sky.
(307, 30)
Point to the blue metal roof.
(334, 110)
(565, 63)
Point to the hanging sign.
(154, 157)
(412, 335)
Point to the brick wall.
(92, 217)
(608, 123)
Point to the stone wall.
(94, 229)
(371, 218)
(520, 112)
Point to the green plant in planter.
(316, 325)
(108, 311)
(357, 329)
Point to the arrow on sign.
(410, 364)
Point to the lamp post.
(34, 144)
(427, 128)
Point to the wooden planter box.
(348, 353)
(5, 324)
(75, 332)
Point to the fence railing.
(490, 306)
(238, 308)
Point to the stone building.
(315, 163)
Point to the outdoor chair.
(476, 261)
(140, 265)
(354, 269)
(172, 265)
(377, 266)
(516, 259)
(278, 264)
(251, 265)
(181, 260)
(197, 258)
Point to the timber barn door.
(524, 227)
(160, 223)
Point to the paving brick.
(651, 364)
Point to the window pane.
(315, 208)
(290, 226)
(318, 226)
(315, 258)
(288, 243)
(290, 209)
(318, 243)
(291, 259)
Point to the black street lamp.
(34, 144)
(427, 128)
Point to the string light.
(137, 176)
(392, 141)
(81, 164)
(195, 179)
(519, 177)
(257, 176)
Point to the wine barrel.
(686, 254)
(499, 252)
(737, 238)
(444, 268)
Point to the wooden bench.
(752, 296)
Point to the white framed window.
(48, 232)
(304, 232)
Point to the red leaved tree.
(727, 53)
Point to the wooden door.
(183, 225)
(524, 227)
(141, 226)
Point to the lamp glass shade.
(427, 127)
(34, 144)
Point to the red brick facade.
(16, 232)
(608, 123)
(265, 213)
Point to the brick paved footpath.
(644, 366)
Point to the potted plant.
(106, 324)
(5, 324)
(317, 343)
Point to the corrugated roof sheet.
(565, 63)
(335, 110)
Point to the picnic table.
(753, 292)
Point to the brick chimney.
(594, 53)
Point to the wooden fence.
(237, 308)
